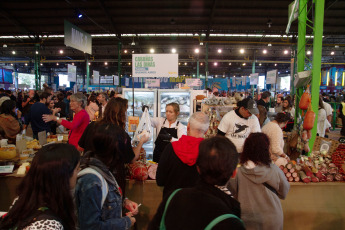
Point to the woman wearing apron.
(168, 129)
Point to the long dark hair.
(256, 149)
(47, 184)
(217, 160)
(115, 112)
(7, 107)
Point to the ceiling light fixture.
(57, 63)
(41, 64)
(219, 51)
(215, 64)
(201, 63)
(173, 50)
(241, 51)
(264, 51)
(196, 51)
(332, 53)
(4, 45)
(230, 63)
(89, 63)
(13, 52)
(152, 51)
(201, 43)
(26, 64)
(185, 63)
(125, 51)
(269, 44)
(61, 51)
(336, 46)
(36, 52)
(275, 64)
(260, 64)
(308, 52)
(105, 63)
(286, 51)
(244, 64)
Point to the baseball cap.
(251, 105)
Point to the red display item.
(305, 101)
(309, 120)
(138, 171)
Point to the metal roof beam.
(211, 18)
(112, 24)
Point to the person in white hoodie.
(274, 132)
(259, 185)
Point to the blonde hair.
(175, 106)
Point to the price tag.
(133, 123)
(6, 168)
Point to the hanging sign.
(228, 82)
(116, 80)
(106, 80)
(271, 77)
(95, 77)
(254, 79)
(238, 80)
(234, 82)
(127, 81)
(292, 13)
(155, 65)
(72, 73)
(152, 83)
(77, 38)
(193, 82)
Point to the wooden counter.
(314, 206)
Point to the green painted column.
(206, 65)
(302, 20)
(37, 67)
(87, 73)
(317, 54)
(119, 47)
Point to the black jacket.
(172, 173)
(194, 208)
(263, 103)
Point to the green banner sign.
(77, 38)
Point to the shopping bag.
(144, 127)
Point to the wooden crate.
(317, 144)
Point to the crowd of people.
(203, 187)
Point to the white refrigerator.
(181, 97)
(142, 97)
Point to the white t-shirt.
(237, 129)
(157, 122)
(328, 108)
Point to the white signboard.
(153, 83)
(254, 79)
(193, 82)
(271, 77)
(116, 80)
(95, 77)
(155, 65)
(233, 82)
(127, 81)
(238, 80)
(72, 73)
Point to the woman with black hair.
(259, 185)
(209, 200)
(274, 132)
(44, 197)
(99, 198)
(10, 123)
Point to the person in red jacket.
(80, 121)
(176, 168)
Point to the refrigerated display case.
(142, 97)
(181, 97)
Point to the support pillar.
(206, 65)
(37, 67)
(253, 71)
(87, 73)
(317, 54)
(119, 47)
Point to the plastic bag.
(144, 127)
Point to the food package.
(138, 171)
(7, 153)
(34, 144)
(144, 127)
(152, 170)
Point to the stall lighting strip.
(163, 35)
(327, 78)
(336, 78)
(342, 84)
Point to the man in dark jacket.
(176, 168)
(195, 208)
(264, 100)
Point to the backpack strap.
(162, 225)
(104, 184)
(221, 218)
